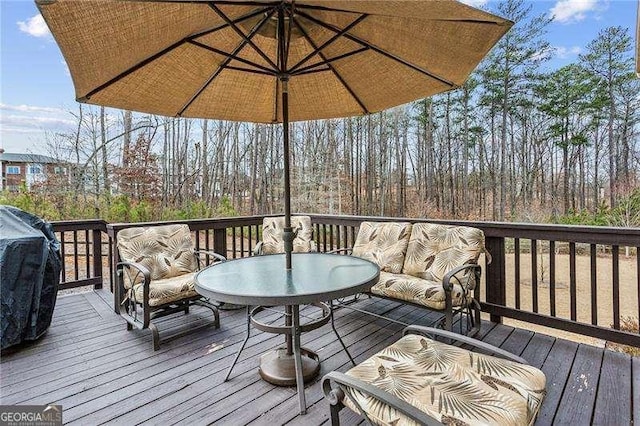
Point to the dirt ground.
(628, 291)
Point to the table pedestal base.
(278, 368)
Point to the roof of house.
(27, 158)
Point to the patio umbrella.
(268, 61)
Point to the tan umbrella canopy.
(268, 61)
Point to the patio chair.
(155, 276)
(421, 381)
(273, 242)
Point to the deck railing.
(573, 278)
(85, 251)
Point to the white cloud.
(567, 11)
(35, 26)
(29, 108)
(66, 68)
(563, 52)
(475, 3)
(25, 121)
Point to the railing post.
(496, 275)
(115, 258)
(97, 257)
(220, 241)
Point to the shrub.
(629, 324)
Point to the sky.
(37, 95)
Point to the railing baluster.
(76, 267)
(572, 280)
(638, 279)
(552, 278)
(233, 241)
(111, 269)
(615, 259)
(96, 241)
(324, 237)
(242, 241)
(197, 237)
(495, 292)
(331, 246)
(516, 253)
(87, 266)
(249, 236)
(220, 241)
(534, 275)
(63, 253)
(594, 285)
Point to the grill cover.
(30, 266)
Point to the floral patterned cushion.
(435, 249)
(167, 250)
(417, 290)
(450, 384)
(384, 243)
(272, 241)
(168, 289)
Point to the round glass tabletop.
(263, 280)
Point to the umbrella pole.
(288, 234)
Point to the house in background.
(28, 169)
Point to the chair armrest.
(140, 267)
(257, 250)
(430, 331)
(347, 250)
(337, 395)
(213, 254)
(446, 280)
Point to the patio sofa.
(426, 264)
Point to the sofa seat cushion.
(168, 289)
(450, 384)
(383, 243)
(417, 290)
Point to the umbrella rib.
(129, 71)
(243, 35)
(231, 67)
(228, 59)
(159, 54)
(331, 67)
(309, 68)
(496, 21)
(226, 25)
(379, 50)
(318, 50)
(237, 58)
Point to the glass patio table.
(315, 279)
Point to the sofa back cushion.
(384, 243)
(272, 228)
(167, 250)
(435, 249)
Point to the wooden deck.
(101, 373)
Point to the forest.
(518, 142)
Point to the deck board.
(101, 373)
(613, 401)
(580, 393)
